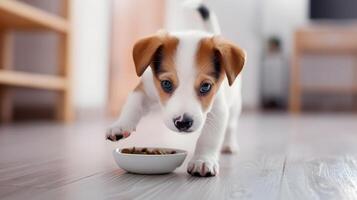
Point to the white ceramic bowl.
(149, 164)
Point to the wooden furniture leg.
(355, 82)
(295, 86)
(6, 51)
(65, 110)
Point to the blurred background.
(66, 59)
(66, 69)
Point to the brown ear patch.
(151, 50)
(163, 59)
(232, 57)
(143, 52)
(158, 52)
(208, 61)
(214, 58)
(162, 63)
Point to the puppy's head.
(188, 69)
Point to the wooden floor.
(281, 157)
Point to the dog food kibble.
(147, 151)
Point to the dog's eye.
(167, 86)
(205, 88)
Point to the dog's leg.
(130, 116)
(230, 144)
(205, 159)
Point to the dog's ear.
(231, 56)
(143, 52)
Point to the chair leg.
(64, 107)
(64, 110)
(6, 51)
(295, 87)
(6, 114)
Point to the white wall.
(282, 17)
(240, 22)
(91, 21)
(36, 52)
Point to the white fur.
(184, 99)
(211, 24)
(218, 124)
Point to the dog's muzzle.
(183, 123)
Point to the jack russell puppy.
(194, 78)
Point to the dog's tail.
(209, 17)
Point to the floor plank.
(46, 155)
(280, 157)
(255, 173)
(15, 192)
(322, 160)
(256, 178)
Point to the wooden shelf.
(29, 80)
(320, 39)
(14, 14)
(330, 89)
(19, 16)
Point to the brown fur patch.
(207, 71)
(232, 57)
(143, 52)
(167, 68)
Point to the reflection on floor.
(281, 157)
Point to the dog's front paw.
(117, 132)
(203, 167)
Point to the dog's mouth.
(185, 131)
(181, 132)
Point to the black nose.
(183, 123)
